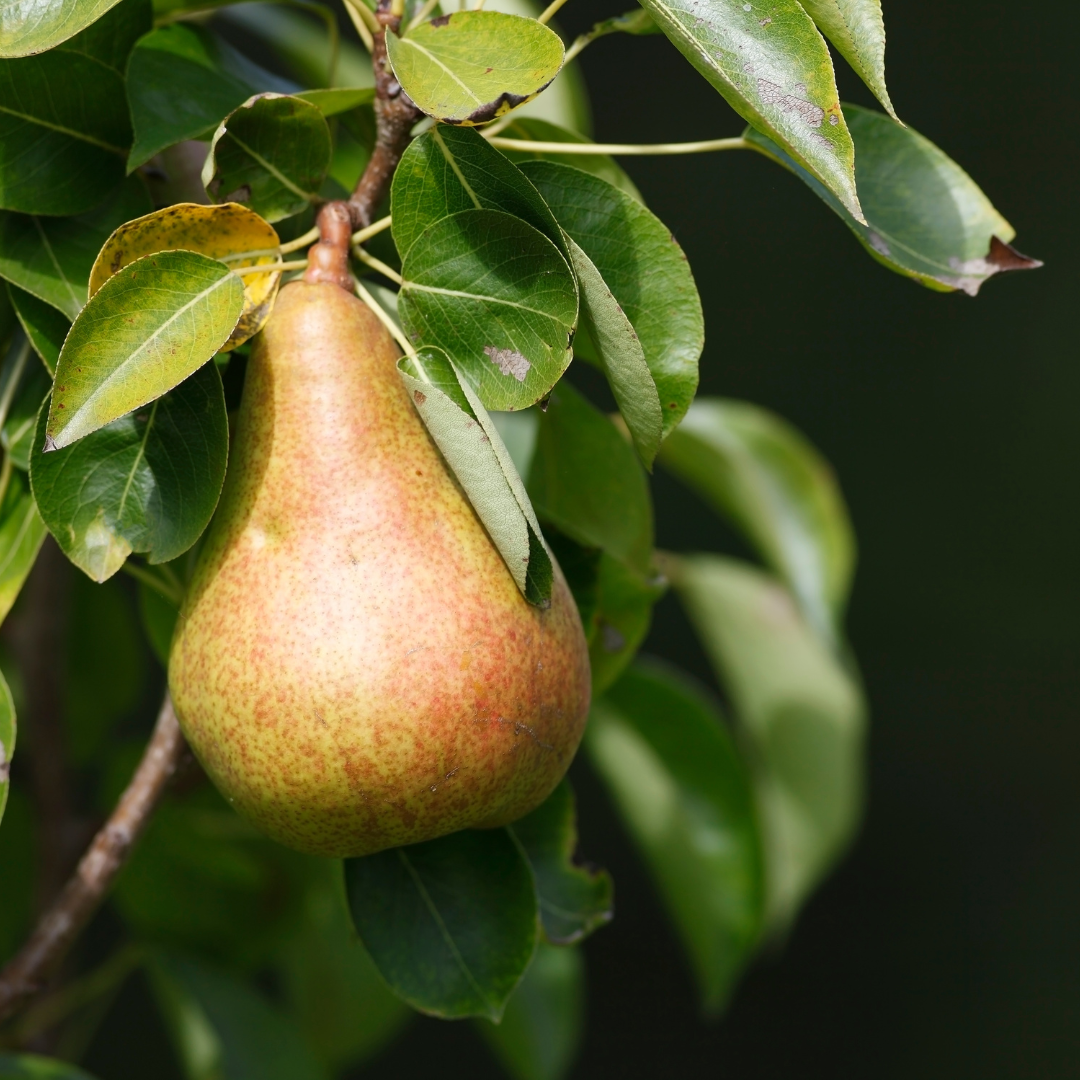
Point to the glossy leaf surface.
(497, 297)
(50, 258)
(451, 924)
(925, 217)
(148, 482)
(765, 477)
(574, 899)
(773, 68)
(471, 445)
(7, 752)
(64, 132)
(45, 326)
(646, 271)
(26, 29)
(271, 155)
(33, 1067)
(857, 29)
(472, 66)
(801, 708)
(541, 1028)
(685, 796)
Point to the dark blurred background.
(948, 943)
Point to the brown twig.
(58, 928)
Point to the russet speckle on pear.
(354, 666)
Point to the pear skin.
(354, 666)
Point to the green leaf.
(661, 747)
(17, 433)
(225, 1030)
(857, 30)
(533, 129)
(497, 297)
(646, 270)
(45, 326)
(33, 1067)
(7, 752)
(472, 66)
(148, 482)
(801, 709)
(50, 258)
(337, 100)
(541, 1028)
(450, 169)
(330, 984)
(451, 923)
(146, 329)
(272, 155)
(636, 22)
(586, 481)
(773, 68)
(469, 442)
(182, 80)
(21, 534)
(761, 474)
(925, 217)
(574, 899)
(111, 38)
(64, 132)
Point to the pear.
(354, 665)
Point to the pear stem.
(26, 973)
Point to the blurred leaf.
(497, 297)
(232, 233)
(518, 433)
(21, 536)
(111, 38)
(51, 257)
(450, 169)
(148, 482)
(45, 326)
(145, 331)
(857, 30)
(469, 67)
(159, 616)
(225, 1030)
(17, 433)
(33, 1067)
(202, 879)
(773, 68)
(587, 482)
(7, 741)
(182, 80)
(533, 129)
(685, 797)
(272, 155)
(451, 924)
(647, 272)
(574, 899)
(925, 217)
(541, 1028)
(469, 442)
(340, 99)
(64, 132)
(802, 710)
(762, 475)
(331, 986)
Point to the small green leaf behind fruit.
(471, 445)
(271, 155)
(146, 329)
(574, 899)
(925, 217)
(541, 1028)
(498, 298)
(34, 1067)
(471, 66)
(7, 751)
(148, 482)
(685, 795)
(451, 924)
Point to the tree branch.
(58, 928)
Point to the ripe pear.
(354, 665)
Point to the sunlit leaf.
(685, 796)
(469, 67)
(497, 297)
(925, 217)
(148, 482)
(773, 68)
(451, 924)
